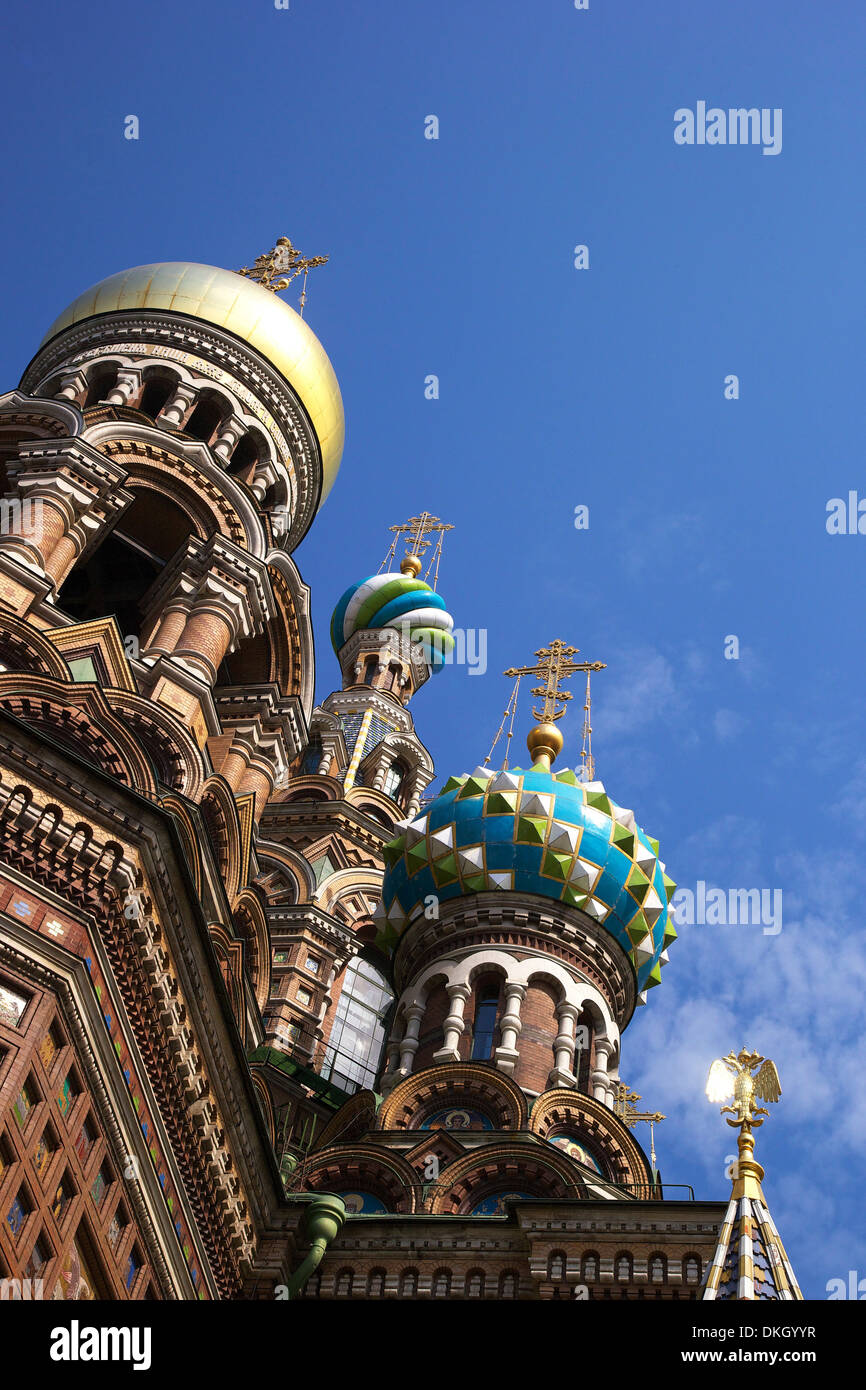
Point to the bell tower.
(189, 425)
(363, 772)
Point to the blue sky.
(558, 387)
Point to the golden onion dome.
(240, 306)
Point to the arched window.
(344, 1283)
(246, 456)
(583, 1054)
(113, 580)
(312, 755)
(658, 1270)
(409, 1283)
(692, 1269)
(622, 1265)
(52, 387)
(158, 389)
(589, 1268)
(354, 1052)
(371, 666)
(376, 1283)
(475, 1283)
(377, 814)
(208, 417)
(556, 1265)
(393, 780)
(508, 1284)
(442, 1283)
(99, 383)
(485, 1020)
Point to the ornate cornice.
(292, 920)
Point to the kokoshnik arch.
(240, 1056)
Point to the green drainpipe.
(323, 1219)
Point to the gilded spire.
(554, 664)
(750, 1260)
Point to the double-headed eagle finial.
(735, 1076)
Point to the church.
(286, 1012)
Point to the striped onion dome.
(399, 601)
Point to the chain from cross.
(554, 665)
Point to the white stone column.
(409, 1041)
(563, 1045)
(176, 408)
(506, 1054)
(71, 385)
(454, 1024)
(379, 776)
(612, 1082)
(391, 1074)
(229, 436)
(264, 477)
(414, 790)
(599, 1079)
(123, 389)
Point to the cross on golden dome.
(284, 257)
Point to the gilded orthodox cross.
(286, 262)
(555, 665)
(625, 1107)
(418, 532)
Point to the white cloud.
(796, 997)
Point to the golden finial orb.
(544, 743)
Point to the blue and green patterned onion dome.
(533, 831)
(396, 600)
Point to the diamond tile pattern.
(532, 831)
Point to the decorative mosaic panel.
(74, 937)
(457, 1119)
(575, 1149)
(494, 1204)
(358, 1202)
(12, 1006)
